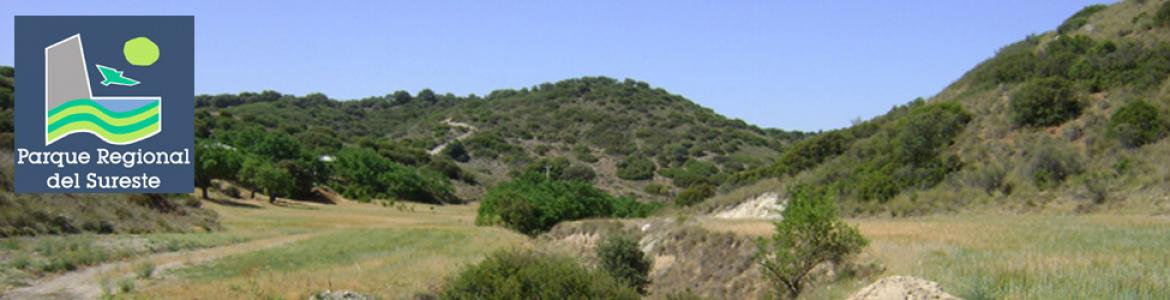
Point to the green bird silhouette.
(113, 76)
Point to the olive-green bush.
(1138, 123)
(520, 274)
(532, 203)
(1045, 102)
(622, 258)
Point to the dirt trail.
(87, 284)
(470, 130)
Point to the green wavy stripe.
(117, 138)
(90, 110)
(106, 111)
(97, 121)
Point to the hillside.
(1069, 120)
(625, 136)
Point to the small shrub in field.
(695, 194)
(622, 259)
(810, 234)
(1138, 123)
(144, 270)
(520, 274)
(126, 285)
(1045, 102)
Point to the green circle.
(140, 51)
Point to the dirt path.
(87, 284)
(470, 130)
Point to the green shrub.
(455, 150)
(694, 172)
(1138, 123)
(907, 152)
(656, 189)
(518, 274)
(144, 270)
(1050, 164)
(1045, 102)
(579, 173)
(811, 152)
(622, 258)
(694, 195)
(636, 168)
(810, 234)
(584, 154)
(533, 203)
(560, 168)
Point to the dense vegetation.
(1138, 123)
(520, 274)
(906, 152)
(645, 130)
(1068, 113)
(533, 202)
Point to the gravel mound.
(902, 287)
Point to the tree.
(214, 161)
(810, 234)
(402, 97)
(260, 174)
(624, 260)
(361, 173)
(274, 181)
(427, 95)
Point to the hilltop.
(624, 136)
(1068, 120)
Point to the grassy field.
(27, 258)
(998, 256)
(393, 252)
(292, 251)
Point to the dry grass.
(985, 256)
(384, 251)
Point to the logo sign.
(91, 97)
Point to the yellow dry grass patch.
(993, 256)
(367, 248)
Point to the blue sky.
(805, 65)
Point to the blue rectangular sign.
(104, 104)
